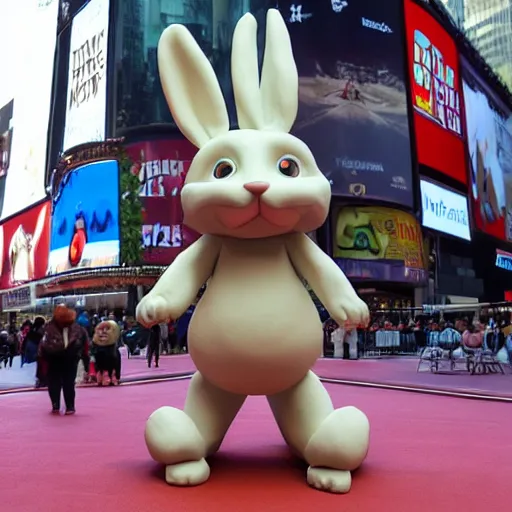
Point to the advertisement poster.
(85, 219)
(489, 134)
(24, 243)
(161, 166)
(444, 210)
(436, 93)
(87, 80)
(25, 99)
(379, 244)
(504, 260)
(352, 95)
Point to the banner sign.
(444, 210)
(19, 298)
(85, 221)
(353, 111)
(87, 79)
(161, 166)
(489, 133)
(29, 29)
(24, 242)
(504, 260)
(378, 243)
(435, 83)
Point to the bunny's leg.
(333, 442)
(183, 439)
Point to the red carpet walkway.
(428, 454)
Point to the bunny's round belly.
(255, 345)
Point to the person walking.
(61, 347)
(154, 345)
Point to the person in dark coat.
(182, 328)
(154, 345)
(61, 347)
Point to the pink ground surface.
(402, 372)
(428, 453)
(393, 371)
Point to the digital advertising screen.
(85, 229)
(161, 166)
(25, 99)
(24, 244)
(378, 244)
(444, 210)
(489, 135)
(504, 260)
(352, 94)
(87, 76)
(436, 93)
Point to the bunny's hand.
(154, 309)
(179, 285)
(328, 282)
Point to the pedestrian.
(106, 353)
(4, 348)
(25, 329)
(61, 347)
(164, 335)
(182, 329)
(32, 340)
(154, 345)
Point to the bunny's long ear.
(279, 77)
(245, 74)
(190, 86)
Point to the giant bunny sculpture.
(253, 193)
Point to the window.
(140, 100)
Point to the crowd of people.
(493, 334)
(60, 344)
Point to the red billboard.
(24, 246)
(161, 166)
(436, 93)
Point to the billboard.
(489, 134)
(504, 260)
(85, 219)
(436, 98)
(380, 244)
(352, 94)
(87, 76)
(444, 210)
(161, 166)
(25, 99)
(24, 242)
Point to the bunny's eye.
(223, 169)
(288, 166)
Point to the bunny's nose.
(257, 187)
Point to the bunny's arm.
(183, 279)
(327, 281)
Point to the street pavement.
(398, 371)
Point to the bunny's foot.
(330, 480)
(333, 442)
(183, 439)
(187, 473)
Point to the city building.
(488, 26)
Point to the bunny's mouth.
(237, 218)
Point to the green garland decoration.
(130, 212)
